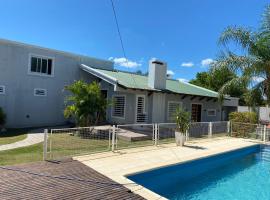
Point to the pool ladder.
(265, 154)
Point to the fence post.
(156, 133)
(228, 127)
(264, 133)
(113, 138)
(187, 136)
(45, 144)
(210, 130)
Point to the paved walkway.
(117, 165)
(32, 138)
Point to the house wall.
(187, 103)
(157, 107)
(130, 106)
(263, 112)
(23, 109)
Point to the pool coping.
(121, 175)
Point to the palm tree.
(253, 64)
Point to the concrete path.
(32, 138)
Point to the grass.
(12, 135)
(22, 155)
(64, 145)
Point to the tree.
(86, 103)
(202, 79)
(215, 78)
(253, 64)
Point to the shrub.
(86, 103)
(182, 120)
(2, 117)
(243, 123)
(244, 117)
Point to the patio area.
(67, 180)
(128, 161)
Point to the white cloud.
(258, 79)
(170, 72)
(183, 80)
(206, 62)
(123, 62)
(187, 64)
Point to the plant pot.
(179, 138)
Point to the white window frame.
(37, 95)
(215, 110)
(4, 90)
(112, 110)
(39, 73)
(168, 106)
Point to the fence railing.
(248, 130)
(68, 142)
(86, 140)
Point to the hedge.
(244, 117)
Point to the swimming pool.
(241, 174)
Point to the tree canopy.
(214, 79)
(253, 63)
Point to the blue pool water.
(242, 174)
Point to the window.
(41, 65)
(141, 116)
(172, 107)
(211, 112)
(119, 106)
(40, 92)
(2, 89)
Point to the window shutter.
(119, 106)
(172, 107)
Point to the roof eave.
(99, 74)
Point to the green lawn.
(12, 135)
(64, 145)
(22, 155)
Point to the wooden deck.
(69, 180)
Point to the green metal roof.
(135, 81)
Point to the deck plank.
(70, 180)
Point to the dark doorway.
(103, 116)
(196, 112)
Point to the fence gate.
(68, 142)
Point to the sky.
(183, 33)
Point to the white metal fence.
(68, 142)
(86, 140)
(252, 131)
(134, 135)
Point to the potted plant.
(2, 120)
(182, 125)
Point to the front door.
(196, 112)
